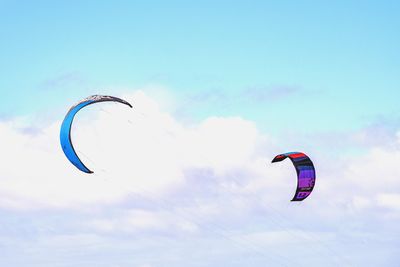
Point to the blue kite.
(65, 131)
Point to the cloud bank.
(177, 190)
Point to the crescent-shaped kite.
(305, 173)
(65, 131)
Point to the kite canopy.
(305, 173)
(65, 131)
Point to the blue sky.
(340, 59)
(218, 89)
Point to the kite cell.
(305, 173)
(65, 131)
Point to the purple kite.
(305, 173)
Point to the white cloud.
(377, 170)
(155, 175)
(391, 201)
(139, 221)
(140, 150)
(147, 151)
